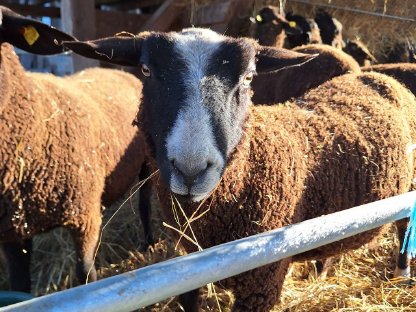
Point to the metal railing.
(157, 282)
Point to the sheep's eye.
(247, 79)
(145, 70)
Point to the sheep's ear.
(119, 50)
(30, 35)
(271, 60)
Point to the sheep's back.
(341, 145)
(295, 81)
(403, 72)
(359, 130)
(76, 138)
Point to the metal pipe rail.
(157, 282)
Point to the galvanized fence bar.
(157, 282)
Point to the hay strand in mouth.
(188, 224)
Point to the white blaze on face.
(191, 140)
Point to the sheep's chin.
(190, 197)
(198, 191)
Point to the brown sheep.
(402, 52)
(403, 72)
(310, 32)
(277, 87)
(66, 148)
(271, 27)
(236, 169)
(359, 51)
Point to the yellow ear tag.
(30, 34)
(259, 18)
(292, 24)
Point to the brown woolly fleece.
(66, 149)
(292, 82)
(341, 145)
(403, 72)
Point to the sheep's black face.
(309, 31)
(195, 101)
(331, 29)
(196, 95)
(271, 25)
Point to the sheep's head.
(196, 96)
(309, 31)
(403, 52)
(271, 27)
(30, 35)
(330, 28)
(359, 52)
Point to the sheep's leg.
(145, 206)
(18, 261)
(190, 301)
(259, 290)
(403, 261)
(323, 266)
(85, 240)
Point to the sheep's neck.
(4, 76)
(16, 110)
(14, 84)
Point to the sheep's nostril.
(190, 172)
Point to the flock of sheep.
(323, 135)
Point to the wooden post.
(240, 17)
(163, 18)
(78, 19)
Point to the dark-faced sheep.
(359, 51)
(277, 87)
(403, 52)
(330, 29)
(310, 32)
(66, 148)
(271, 27)
(238, 169)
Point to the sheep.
(271, 27)
(310, 31)
(404, 52)
(330, 29)
(65, 151)
(405, 73)
(358, 50)
(277, 87)
(237, 169)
